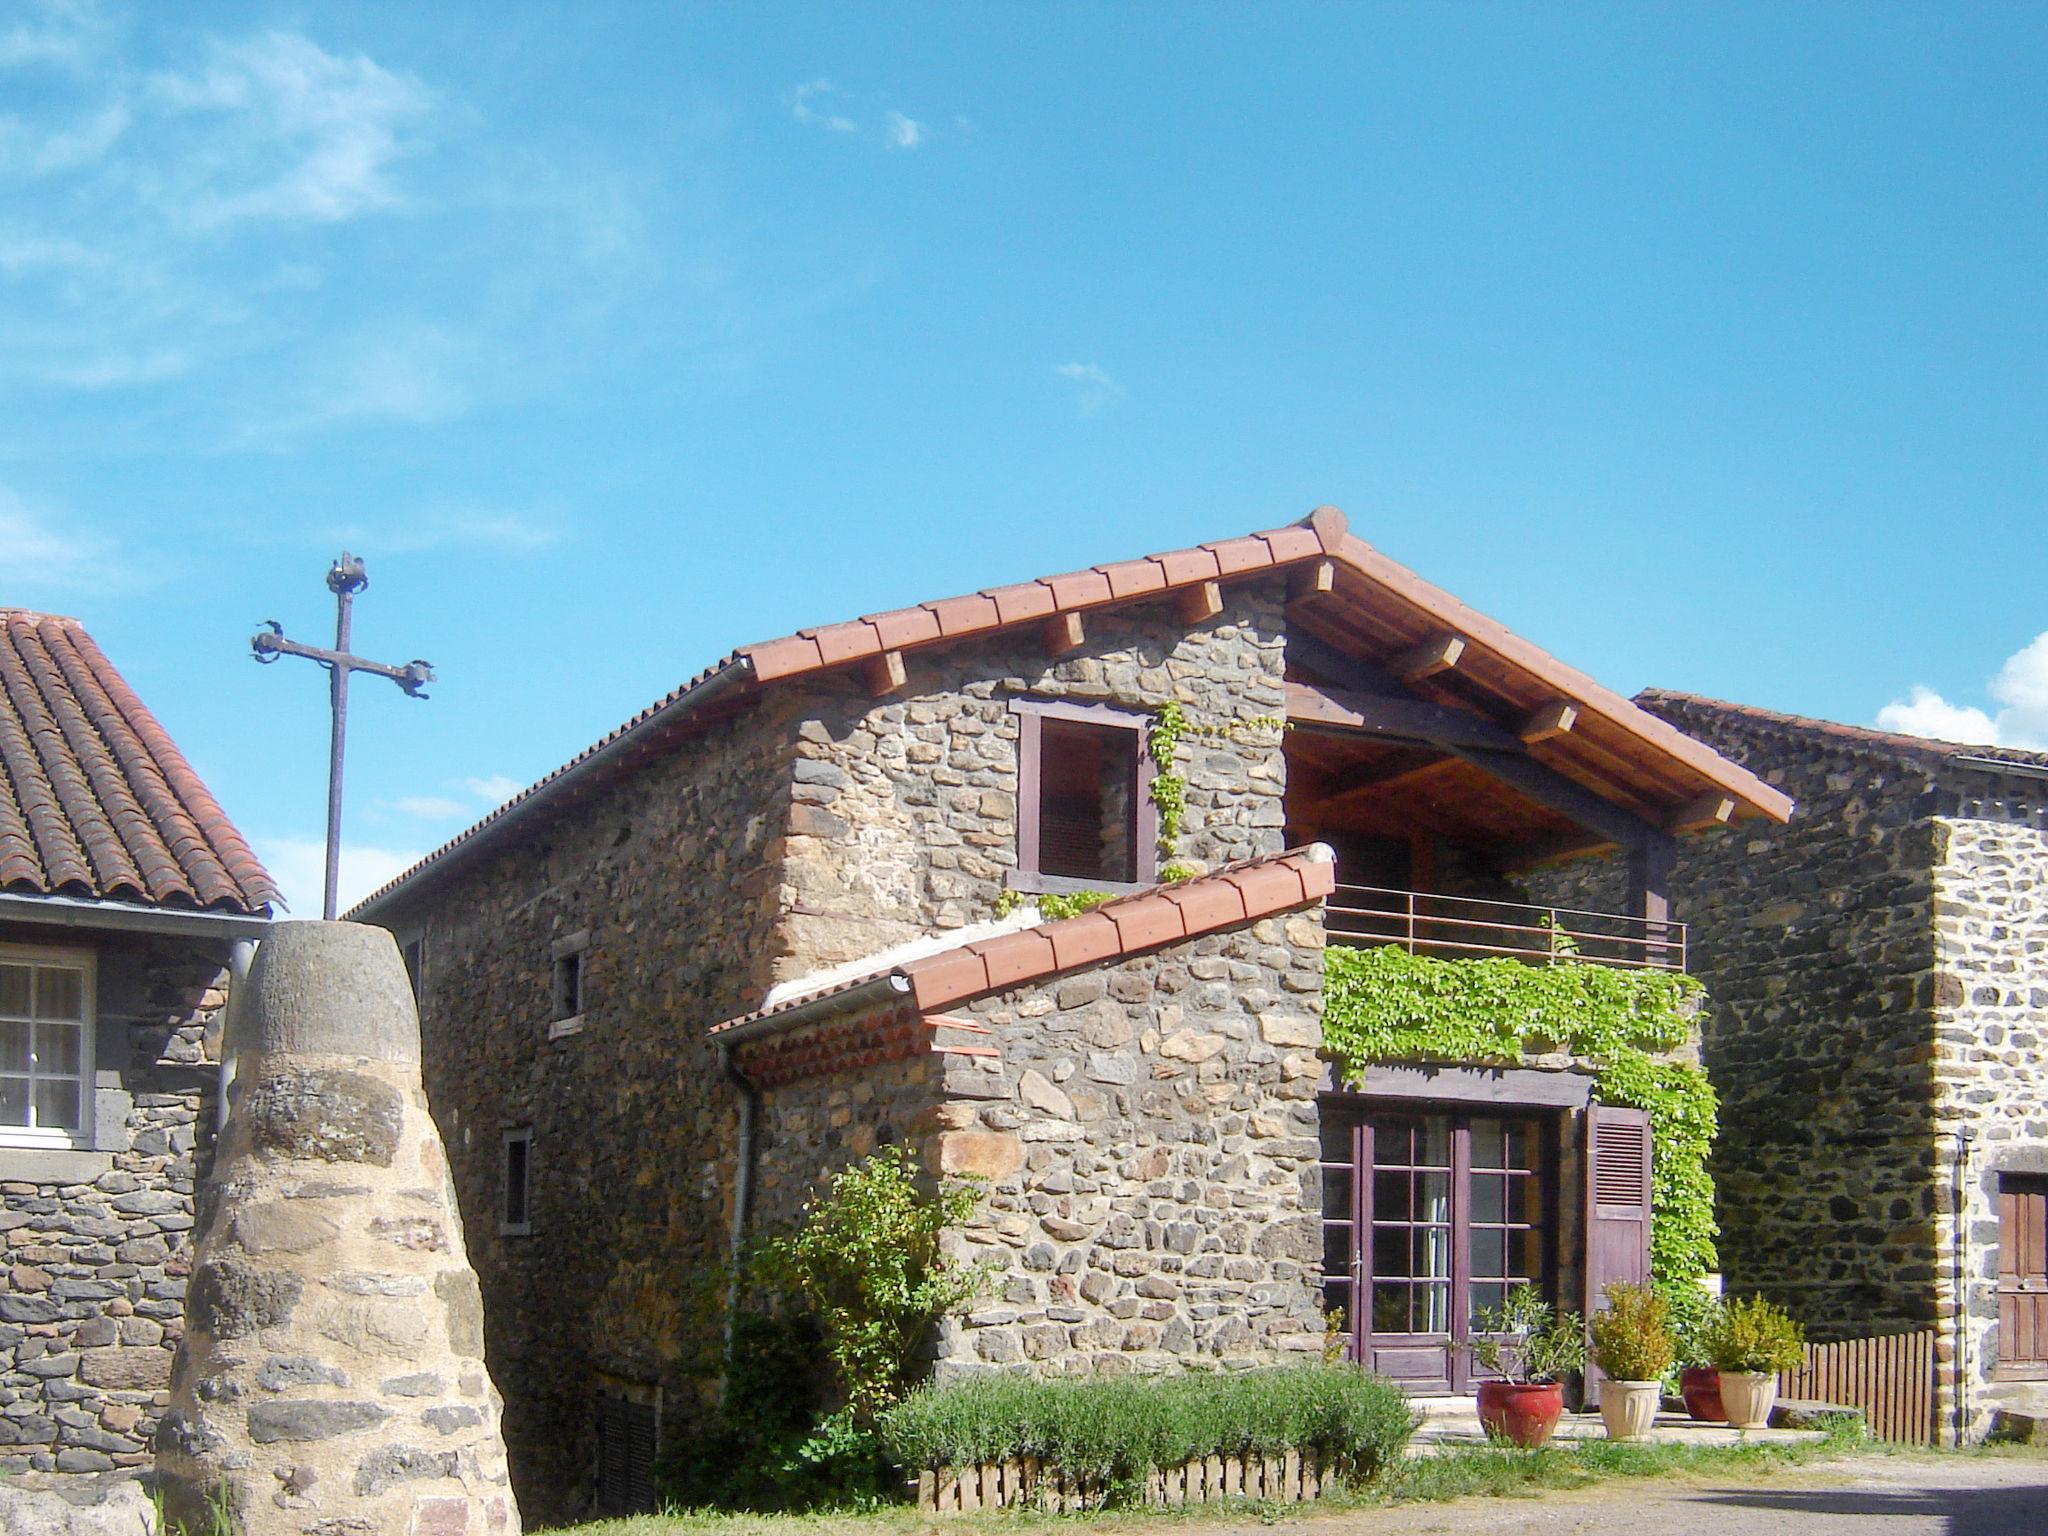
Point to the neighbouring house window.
(1085, 818)
(569, 976)
(46, 1026)
(2023, 1276)
(515, 1213)
(628, 1428)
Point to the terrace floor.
(1455, 1421)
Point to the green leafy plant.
(1524, 1340)
(867, 1261)
(1691, 1311)
(1755, 1336)
(1052, 905)
(1384, 1004)
(1113, 1431)
(1631, 1337)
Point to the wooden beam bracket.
(1712, 809)
(883, 674)
(1550, 721)
(1064, 632)
(1439, 653)
(1198, 603)
(1317, 579)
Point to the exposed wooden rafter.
(883, 674)
(1064, 632)
(1552, 720)
(1709, 810)
(1199, 603)
(1439, 653)
(1316, 579)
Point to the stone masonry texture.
(95, 1245)
(1877, 971)
(816, 827)
(331, 1381)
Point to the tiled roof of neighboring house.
(1324, 535)
(1161, 914)
(95, 799)
(1889, 743)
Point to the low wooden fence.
(1284, 1479)
(1890, 1378)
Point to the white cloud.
(494, 790)
(56, 32)
(308, 135)
(407, 374)
(429, 807)
(26, 152)
(821, 115)
(44, 547)
(906, 132)
(2021, 688)
(1094, 389)
(118, 370)
(492, 531)
(299, 866)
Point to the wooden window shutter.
(1617, 1203)
(625, 1456)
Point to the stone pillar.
(331, 1381)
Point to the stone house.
(1878, 969)
(125, 899)
(767, 925)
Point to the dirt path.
(1856, 1496)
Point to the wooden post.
(1650, 866)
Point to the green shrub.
(1690, 1310)
(1631, 1338)
(866, 1261)
(1114, 1431)
(1755, 1335)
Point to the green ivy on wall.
(1384, 1004)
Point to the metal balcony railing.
(1451, 926)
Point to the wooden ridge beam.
(1341, 710)
(1548, 722)
(1439, 653)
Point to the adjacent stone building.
(1878, 970)
(789, 913)
(125, 899)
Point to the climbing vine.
(1169, 789)
(1384, 1004)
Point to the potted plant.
(1531, 1349)
(1749, 1342)
(1632, 1345)
(1692, 1311)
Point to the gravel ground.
(1901, 1495)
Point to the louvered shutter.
(1617, 1203)
(625, 1456)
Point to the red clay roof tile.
(1079, 589)
(1019, 604)
(1082, 940)
(95, 799)
(964, 615)
(1133, 578)
(905, 626)
(946, 978)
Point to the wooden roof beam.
(1712, 809)
(1439, 653)
(1198, 603)
(1316, 579)
(1549, 722)
(883, 674)
(1313, 707)
(1064, 632)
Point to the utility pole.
(345, 578)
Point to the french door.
(1429, 1217)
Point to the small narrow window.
(1085, 819)
(515, 1217)
(568, 977)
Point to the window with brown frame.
(1085, 819)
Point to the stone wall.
(1157, 1119)
(905, 820)
(1991, 1025)
(820, 825)
(668, 876)
(1815, 943)
(94, 1245)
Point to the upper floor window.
(1085, 818)
(46, 1018)
(568, 976)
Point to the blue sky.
(1704, 345)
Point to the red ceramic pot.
(1700, 1386)
(1521, 1413)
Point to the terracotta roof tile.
(1129, 925)
(95, 799)
(902, 626)
(1021, 603)
(1133, 578)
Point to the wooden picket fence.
(1286, 1479)
(1890, 1378)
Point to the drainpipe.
(240, 953)
(1964, 1136)
(742, 1184)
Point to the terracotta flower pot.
(1629, 1408)
(1700, 1386)
(1749, 1397)
(1522, 1413)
